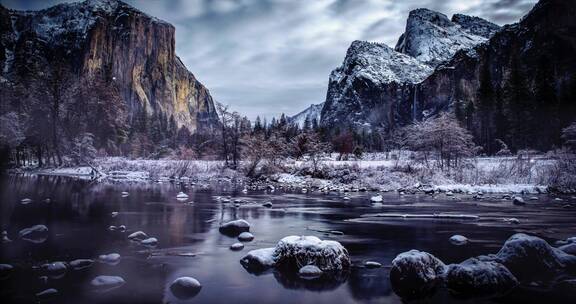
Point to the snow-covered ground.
(377, 171)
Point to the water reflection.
(80, 212)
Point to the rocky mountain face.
(309, 115)
(114, 41)
(502, 83)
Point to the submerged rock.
(518, 201)
(237, 246)
(245, 237)
(138, 236)
(527, 256)
(36, 234)
(259, 260)
(48, 293)
(294, 252)
(81, 264)
(234, 228)
(54, 270)
(479, 278)
(416, 274)
(185, 287)
(310, 272)
(458, 240)
(6, 271)
(110, 259)
(104, 283)
(150, 242)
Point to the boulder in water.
(234, 228)
(36, 234)
(372, 264)
(474, 277)
(376, 199)
(54, 270)
(185, 287)
(527, 256)
(294, 252)
(416, 274)
(149, 242)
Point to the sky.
(267, 57)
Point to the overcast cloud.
(266, 57)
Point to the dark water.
(190, 244)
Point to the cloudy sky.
(266, 57)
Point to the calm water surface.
(79, 214)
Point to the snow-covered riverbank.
(372, 172)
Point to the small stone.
(106, 283)
(267, 204)
(372, 264)
(245, 237)
(110, 259)
(48, 293)
(36, 234)
(81, 264)
(237, 246)
(518, 201)
(125, 194)
(458, 240)
(138, 236)
(150, 242)
(182, 196)
(185, 287)
(26, 201)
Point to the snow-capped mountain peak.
(311, 113)
(433, 38)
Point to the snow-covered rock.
(26, 201)
(125, 194)
(432, 38)
(138, 236)
(105, 283)
(245, 237)
(376, 199)
(182, 196)
(458, 240)
(237, 246)
(527, 256)
(35, 234)
(569, 248)
(479, 278)
(81, 264)
(235, 227)
(294, 252)
(47, 293)
(185, 287)
(110, 259)
(416, 274)
(310, 272)
(259, 260)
